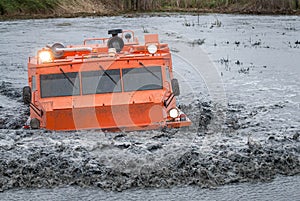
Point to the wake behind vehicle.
(112, 83)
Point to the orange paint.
(115, 84)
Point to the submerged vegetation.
(102, 7)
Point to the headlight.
(174, 113)
(152, 49)
(45, 56)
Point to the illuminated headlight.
(152, 49)
(174, 113)
(45, 56)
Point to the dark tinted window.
(53, 85)
(148, 78)
(101, 82)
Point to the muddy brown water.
(239, 79)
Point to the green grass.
(13, 7)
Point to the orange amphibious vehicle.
(112, 83)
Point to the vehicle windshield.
(98, 82)
(145, 78)
(54, 85)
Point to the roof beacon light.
(152, 49)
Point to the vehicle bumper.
(178, 124)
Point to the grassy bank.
(220, 6)
(208, 4)
(53, 8)
(15, 7)
(50, 8)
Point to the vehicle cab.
(112, 83)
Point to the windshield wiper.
(104, 71)
(71, 82)
(149, 70)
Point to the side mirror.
(175, 87)
(27, 95)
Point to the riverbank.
(33, 9)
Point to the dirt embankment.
(10, 9)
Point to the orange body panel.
(105, 117)
(87, 107)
